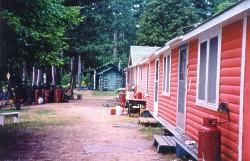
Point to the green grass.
(34, 119)
(9, 110)
(104, 93)
(150, 131)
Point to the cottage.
(109, 77)
(188, 78)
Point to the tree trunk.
(39, 77)
(61, 69)
(73, 75)
(54, 81)
(115, 45)
(24, 77)
(79, 72)
(34, 77)
(1, 87)
(72, 63)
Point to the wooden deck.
(185, 143)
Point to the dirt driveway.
(79, 130)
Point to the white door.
(181, 103)
(156, 87)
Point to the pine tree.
(164, 20)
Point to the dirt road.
(79, 130)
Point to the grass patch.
(104, 93)
(9, 110)
(130, 120)
(34, 120)
(45, 112)
(150, 131)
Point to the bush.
(65, 79)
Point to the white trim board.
(242, 81)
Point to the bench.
(9, 114)
(164, 143)
(186, 146)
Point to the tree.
(164, 20)
(220, 5)
(201, 9)
(106, 33)
(32, 32)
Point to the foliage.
(94, 37)
(164, 20)
(33, 31)
(221, 6)
(65, 79)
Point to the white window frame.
(165, 80)
(207, 37)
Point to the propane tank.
(209, 141)
(122, 99)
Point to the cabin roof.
(104, 70)
(137, 53)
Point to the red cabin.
(188, 78)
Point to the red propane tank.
(122, 99)
(209, 141)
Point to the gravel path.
(80, 130)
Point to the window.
(208, 72)
(166, 74)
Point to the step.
(164, 143)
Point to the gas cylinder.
(209, 141)
(122, 99)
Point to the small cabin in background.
(109, 77)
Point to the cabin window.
(166, 74)
(208, 72)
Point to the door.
(181, 103)
(112, 81)
(156, 87)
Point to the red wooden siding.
(230, 87)
(150, 98)
(246, 124)
(194, 113)
(194, 119)
(229, 90)
(144, 79)
(167, 104)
